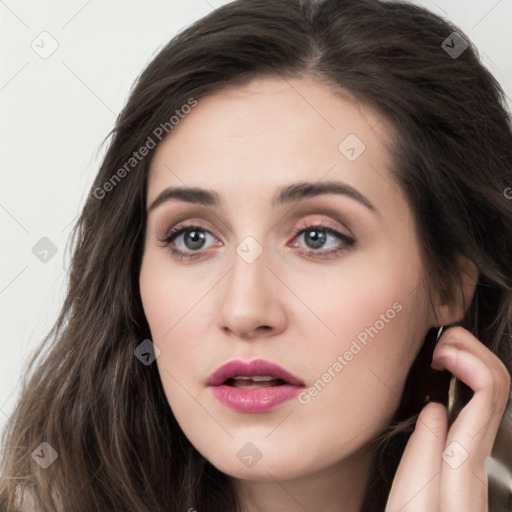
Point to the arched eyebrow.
(287, 194)
(304, 189)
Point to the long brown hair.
(86, 394)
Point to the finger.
(462, 339)
(464, 485)
(416, 485)
(487, 376)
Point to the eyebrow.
(288, 194)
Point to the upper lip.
(256, 367)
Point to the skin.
(300, 310)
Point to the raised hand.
(442, 470)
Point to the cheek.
(177, 307)
(365, 293)
(169, 296)
(356, 382)
(377, 316)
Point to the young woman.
(297, 196)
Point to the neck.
(338, 488)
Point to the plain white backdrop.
(66, 70)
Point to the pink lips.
(254, 399)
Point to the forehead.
(269, 132)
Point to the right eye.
(190, 239)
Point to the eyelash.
(176, 231)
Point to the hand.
(441, 470)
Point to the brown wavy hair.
(119, 445)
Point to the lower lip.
(255, 400)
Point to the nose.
(252, 300)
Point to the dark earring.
(459, 393)
(451, 387)
(430, 385)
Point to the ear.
(462, 294)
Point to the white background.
(55, 112)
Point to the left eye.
(317, 236)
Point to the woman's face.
(328, 286)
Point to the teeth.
(257, 381)
(255, 378)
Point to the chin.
(265, 463)
(282, 471)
